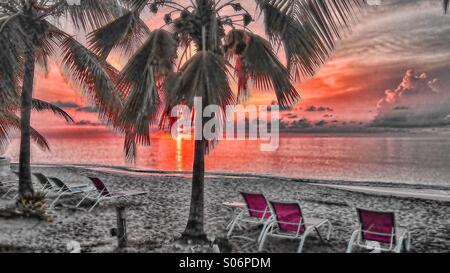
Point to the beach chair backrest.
(257, 205)
(42, 179)
(377, 226)
(289, 217)
(100, 186)
(59, 183)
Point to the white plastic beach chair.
(66, 190)
(102, 193)
(46, 186)
(256, 211)
(379, 227)
(289, 222)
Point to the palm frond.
(92, 14)
(44, 50)
(159, 51)
(307, 29)
(142, 104)
(13, 42)
(170, 100)
(141, 78)
(39, 105)
(137, 5)
(94, 77)
(260, 63)
(4, 131)
(126, 32)
(130, 147)
(11, 122)
(40, 140)
(205, 75)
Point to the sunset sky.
(375, 57)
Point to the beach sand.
(155, 220)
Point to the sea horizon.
(399, 156)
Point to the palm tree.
(29, 35)
(155, 78)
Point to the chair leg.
(303, 239)
(82, 199)
(15, 196)
(408, 242)
(398, 247)
(264, 237)
(266, 224)
(302, 243)
(56, 199)
(7, 192)
(233, 224)
(330, 229)
(96, 203)
(352, 241)
(403, 242)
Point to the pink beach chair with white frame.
(256, 211)
(379, 227)
(288, 222)
(103, 193)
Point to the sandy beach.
(157, 219)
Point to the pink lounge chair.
(103, 193)
(380, 227)
(257, 211)
(290, 223)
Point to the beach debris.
(31, 206)
(73, 247)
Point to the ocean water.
(399, 158)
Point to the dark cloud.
(77, 107)
(86, 123)
(417, 102)
(297, 124)
(318, 109)
(321, 123)
(88, 109)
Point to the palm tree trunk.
(195, 226)
(25, 183)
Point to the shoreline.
(339, 182)
(154, 221)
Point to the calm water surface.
(418, 159)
